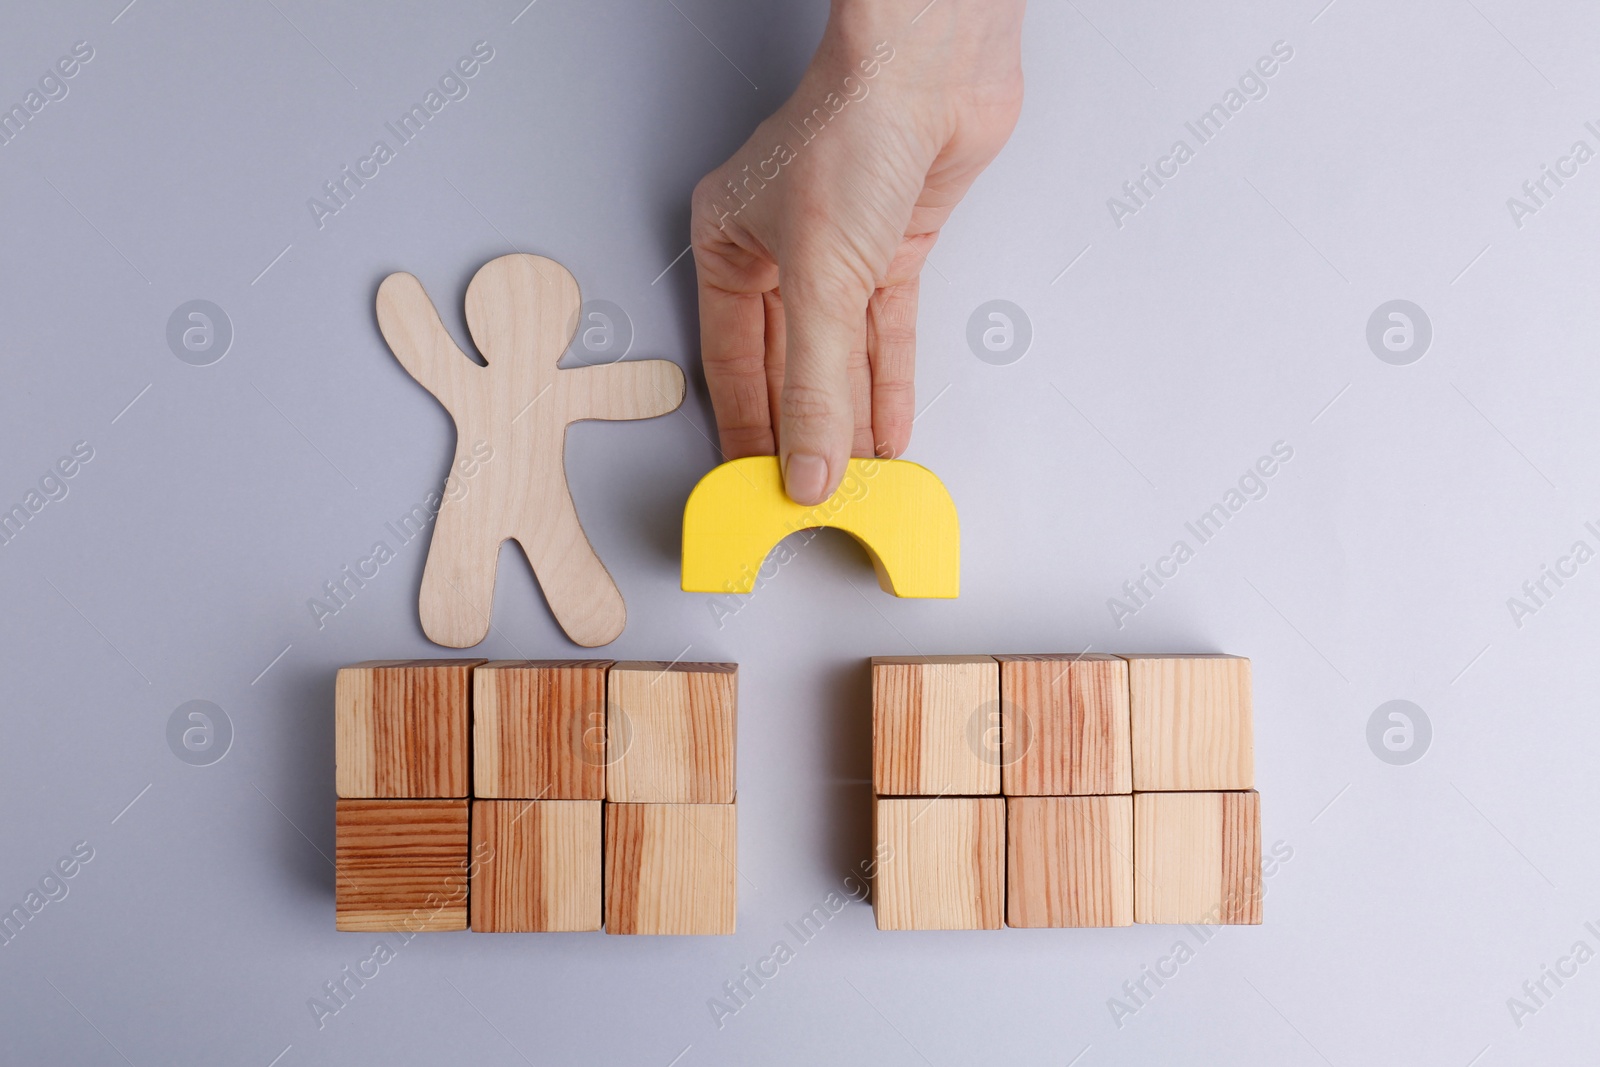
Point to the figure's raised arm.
(411, 325)
(637, 389)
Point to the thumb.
(825, 306)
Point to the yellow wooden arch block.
(899, 511)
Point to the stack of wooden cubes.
(600, 794)
(539, 783)
(1064, 791)
(1196, 813)
(401, 771)
(671, 828)
(939, 819)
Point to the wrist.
(948, 26)
(949, 42)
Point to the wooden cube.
(536, 865)
(670, 868)
(935, 725)
(1064, 725)
(1197, 858)
(1069, 861)
(670, 732)
(400, 865)
(941, 863)
(1191, 722)
(538, 729)
(400, 728)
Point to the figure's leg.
(577, 586)
(458, 580)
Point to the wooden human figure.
(522, 312)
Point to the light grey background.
(1228, 314)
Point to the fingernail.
(805, 477)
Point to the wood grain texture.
(1191, 722)
(1064, 727)
(670, 732)
(522, 312)
(1069, 861)
(671, 868)
(941, 863)
(1241, 858)
(400, 728)
(935, 725)
(1197, 858)
(538, 729)
(897, 510)
(536, 865)
(400, 865)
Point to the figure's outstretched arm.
(637, 389)
(411, 325)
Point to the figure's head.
(522, 307)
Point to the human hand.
(808, 242)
